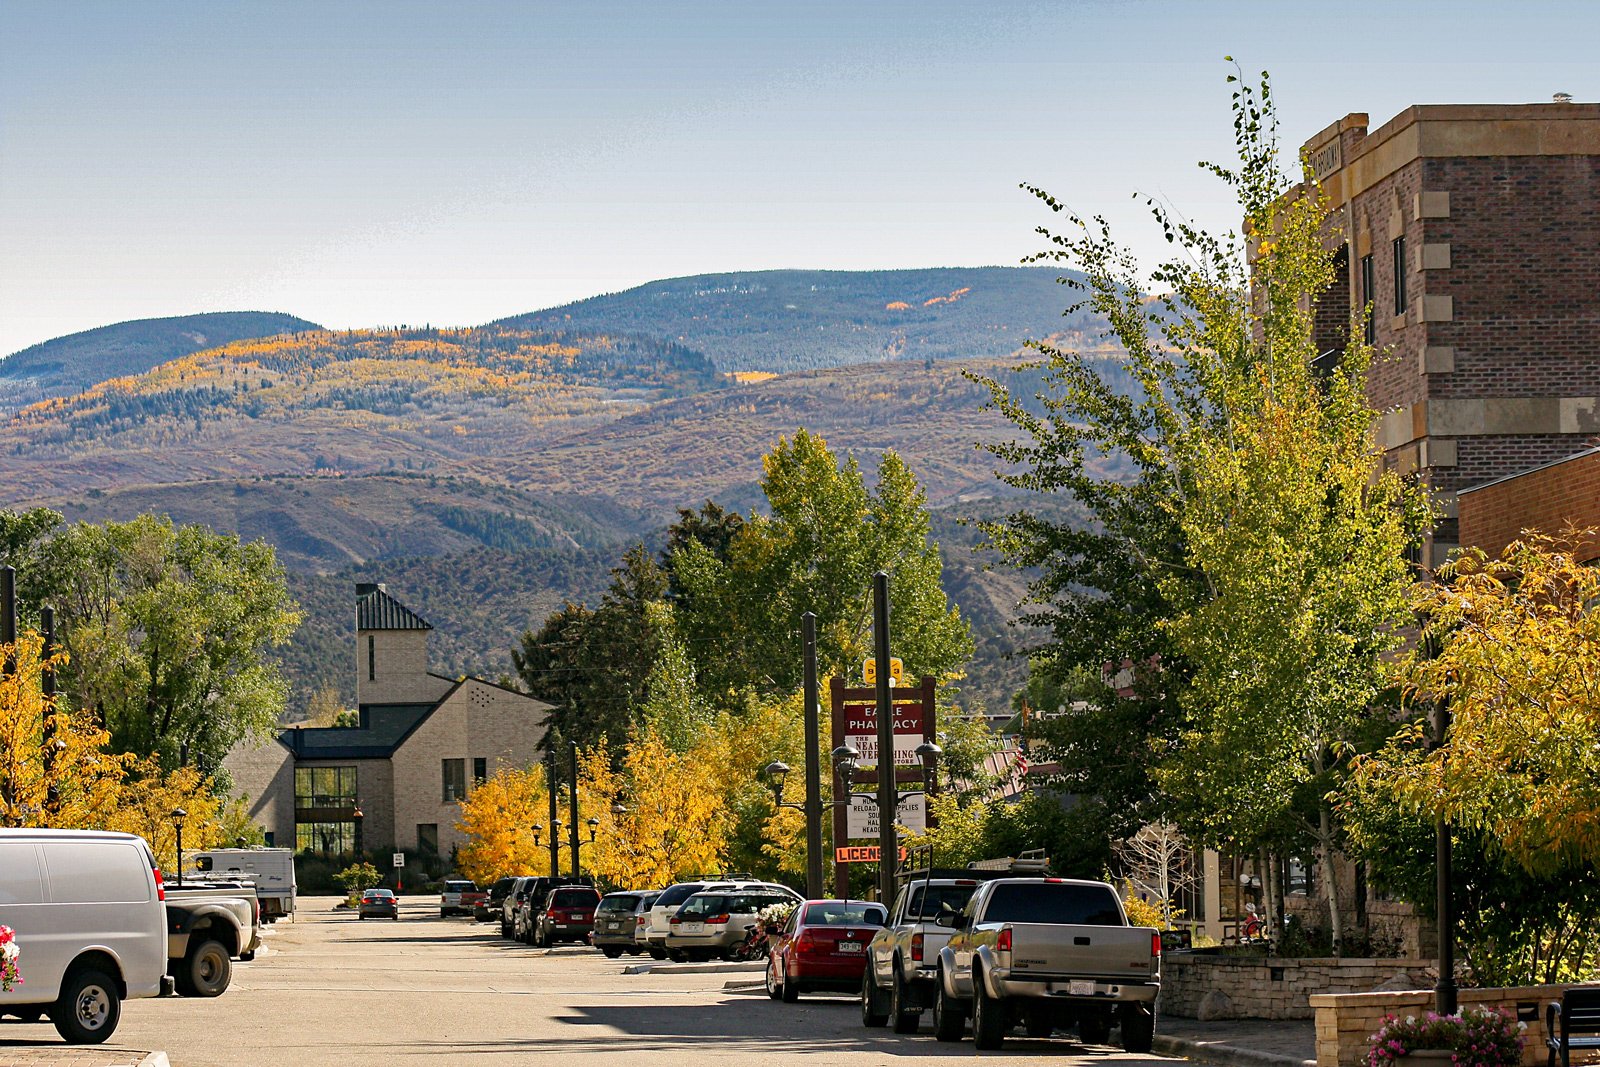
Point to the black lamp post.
(1445, 992)
(538, 828)
(358, 816)
(178, 815)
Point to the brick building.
(422, 742)
(1549, 498)
(1474, 231)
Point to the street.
(332, 990)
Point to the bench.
(1574, 1023)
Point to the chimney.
(1561, 98)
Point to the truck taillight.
(1003, 942)
(916, 946)
(161, 887)
(1155, 943)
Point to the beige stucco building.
(423, 742)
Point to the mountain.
(785, 320)
(65, 365)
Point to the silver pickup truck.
(902, 960)
(1048, 953)
(207, 925)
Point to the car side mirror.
(953, 920)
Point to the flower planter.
(1430, 1055)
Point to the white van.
(87, 909)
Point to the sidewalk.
(1240, 1043)
(75, 1056)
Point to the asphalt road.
(332, 990)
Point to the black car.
(488, 909)
(379, 904)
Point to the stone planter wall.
(1206, 987)
(1346, 1021)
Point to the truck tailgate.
(1116, 953)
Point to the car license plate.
(693, 928)
(1082, 989)
(849, 946)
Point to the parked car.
(822, 946)
(667, 905)
(567, 915)
(616, 921)
(89, 911)
(1048, 953)
(379, 904)
(641, 921)
(270, 870)
(515, 899)
(208, 925)
(538, 891)
(714, 921)
(457, 896)
(902, 960)
(488, 909)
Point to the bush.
(357, 877)
(1478, 1037)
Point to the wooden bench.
(1574, 1023)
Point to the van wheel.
(206, 970)
(89, 1009)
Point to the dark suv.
(567, 915)
(488, 909)
(528, 909)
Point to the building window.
(325, 838)
(1400, 275)
(1300, 877)
(428, 838)
(1369, 296)
(324, 787)
(480, 770)
(455, 779)
(372, 658)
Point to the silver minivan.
(87, 910)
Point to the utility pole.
(1445, 992)
(808, 640)
(555, 815)
(888, 794)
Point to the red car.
(822, 946)
(568, 916)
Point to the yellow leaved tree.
(676, 823)
(498, 818)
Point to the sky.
(377, 163)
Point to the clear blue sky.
(452, 162)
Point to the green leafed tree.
(817, 550)
(1251, 574)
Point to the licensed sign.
(859, 854)
(862, 816)
(399, 859)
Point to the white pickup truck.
(1048, 953)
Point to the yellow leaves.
(498, 817)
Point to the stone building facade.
(1473, 231)
(422, 743)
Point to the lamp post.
(813, 809)
(1445, 992)
(178, 815)
(572, 800)
(358, 817)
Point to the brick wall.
(1257, 987)
(1346, 1022)
(1548, 499)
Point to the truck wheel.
(989, 1024)
(88, 1009)
(207, 969)
(873, 1012)
(1039, 1023)
(1138, 1028)
(1094, 1029)
(949, 1017)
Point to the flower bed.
(1477, 1037)
(10, 973)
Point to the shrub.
(356, 877)
(1478, 1037)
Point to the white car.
(659, 928)
(89, 914)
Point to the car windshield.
(1053, 902)
(377, 894)
(619, 902)
(857, 913)
(459, 887)
(572, 898)
(678, 894)
(927, 901)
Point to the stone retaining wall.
(1206, 987)
(1346, 1022)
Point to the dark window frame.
(1369, 299)
(453, 787)
(372, 658)
(1400, 296)
(480, 770)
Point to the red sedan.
(822, 946)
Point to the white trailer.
(271, 869)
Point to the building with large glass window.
(421, 743)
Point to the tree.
(1251, 573)
(1159, 862)
(498, 817)
(817, 551)
(169, 630)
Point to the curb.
(1220, 1052)
(155, 1059)
(695, 968)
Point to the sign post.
(398, 861)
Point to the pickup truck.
(208, 925)
(458, 897)
(902, 959)
(1048, 953)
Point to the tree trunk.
(1331, 876)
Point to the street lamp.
(178, 815)
(594, 827)
(358, 816)
(538, 828)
